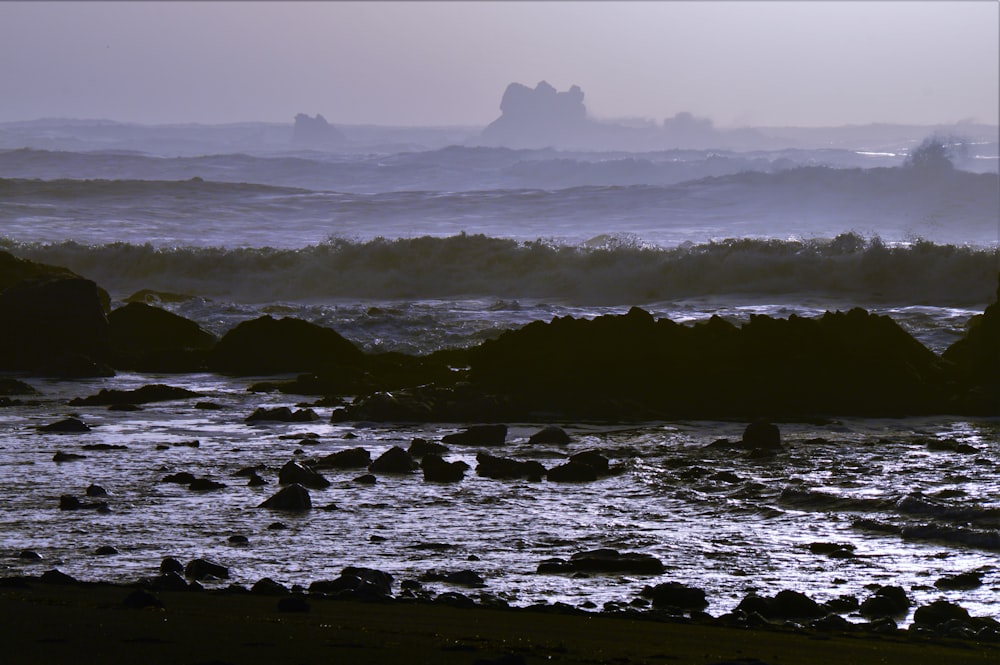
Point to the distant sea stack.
(545, 118)
(315, 133)
(539, 117)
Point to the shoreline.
(88, 622)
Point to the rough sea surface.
(417, 251)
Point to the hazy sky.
(418, 63)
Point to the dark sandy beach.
(90, 623)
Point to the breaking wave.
(607, 271)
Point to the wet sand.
(89, 623)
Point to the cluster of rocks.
(612, 367)
(670, 601)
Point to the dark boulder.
(265, 586)
(277, 346)
(205, 485)
(151, 339)
(202, 569)
(549, 435)
(887, 601)
(171, 565)
(572, 472)
(761, 434)
(437, 470)
(351, 458)
(420, 447)
(478, 435)
(970, 580)
(940, 612)
(55, 326)
(356, 582)
(291, 498)
(60, 456)
(66, 426)
(69, 502)
(502, 468)
(394, 460)
(675, 594)
(293, 472)
(10, 386)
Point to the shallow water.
(865, 483)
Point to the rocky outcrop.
(632, 366)
(976, 361)
(315, 133)
(150, 339)
(54, 325)
(539, 117)
(276, 346)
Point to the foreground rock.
(56, 326)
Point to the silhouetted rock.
(939, 612)
(394, 460)
(762, 434)
(69, 502)
(356, 582)
(420, 447)
(292, 498)
(539, 117)
(572, 472)
(11, 386)
(315, 133)
(156, 392)
(55, 326)
(437, 470)
(887, 601)
(976, 359)
(65, 426)
(268, 587)
(171, 565)
(151, 339)
(293, 472)
(478, 435)
(675, 594)
(351, 458)
(205, 485)
(632, 366)
(202, 569)
(970, 580)
(276, 346)
(502, 468)
(551, 434)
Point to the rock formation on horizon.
(545, 118)
(315, 132)
(539, 117)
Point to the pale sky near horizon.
(748, 63)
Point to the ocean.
(417, 250)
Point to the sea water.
(345, 242)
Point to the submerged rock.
(66, 426)
(156, 392)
